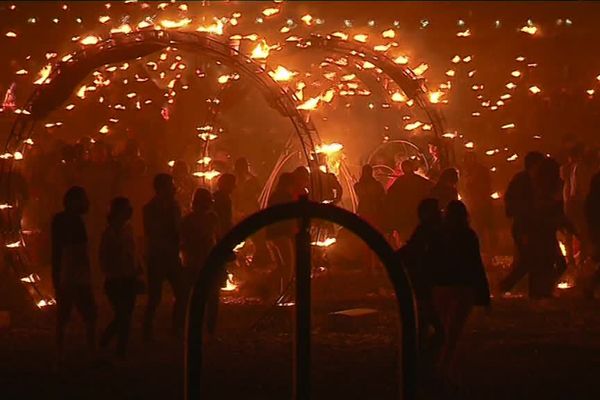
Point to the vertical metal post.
(303, 306)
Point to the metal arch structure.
(403, 142)
(303, 211)
(67, 74)
(411, 84)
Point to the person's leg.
(64, 305)
(111, 328)
(86, 306)
(125, 310)
(174, 277)
(155, 280)
(519, 267)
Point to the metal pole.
(303, 307)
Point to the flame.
(495, 195)
(267, 12)
(45, 303)
(89, 40)
(389, 34)
(435, 97)
(464, 33)
(282, 74)
(413, 126)
(5, 206)
(261, 51)
(170, 24)
(14, 245)
(125, 28)
(307, 19)
(340, 35)
(328, 96)
(563, 248)
(31, 278)
(11, 34)
(325, 243)
(469, 145)
(420, 70)
(239, 246)
(229, 286)
(399, 97)
(534, 89)
(208, 175)
(450, 72)
(103, 19)
(508, 126)
(43, 75)
(329, 148)
(206, 136)
(512, 158)
(564, 285)
(310, 104)
(204, 161)
(532, 30)
(362, 38)
(216, 28)
(104, 130)
(516, 73)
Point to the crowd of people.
(148, 240)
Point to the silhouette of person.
(518, 203)
(118, 262)
(247, 191)
(371, 196)
(403, 198)
(301, 182)
(445, 189)
(460, 282)
(477, 189)
(184, 184)
(282, 233)
(223, 204)
(71, 266)
(199, 232)
(422, 255)
(592, 218)
(546, 263)
(162, 218)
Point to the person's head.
(546, 177)
(408, 167)
(226, 183)
(286, 182)
(301, 177)
(429, 212)
(164, 186)
(456, 214)
(241, 166)
(202, 200)
(180, 169)
(367, 172)
(76, 200)
(120, 211)
(449, 177)
(533, 160)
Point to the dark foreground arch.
(304, 211)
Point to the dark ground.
(522, 350)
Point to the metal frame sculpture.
(303, 211)
(67, 74)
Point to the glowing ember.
(267, 12)
(508, 126)
(229, 285)
(325, 243)
(5, 206)
(516, 73)
(11, 34)
(464, 33)
(402, 60)
(495, 195)
(14, 245)
(413, 126)
(362, 38)
(104, 130)
(329, 148)
(239, 246)
(204, 161)
(43, 75)
(389, 34)
(282, 74)
(125, 28)
(31, 278)
(328, 96)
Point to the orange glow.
(125, 28)
(229, 285)
(495, 195)
(534, 89)
(329, 148)
(389, 34)
(532, 30)
(43, 75)
(267, 12)
(435, 97)
(402, 60)
(399, 97)
(89, 40)
(216, 28)
(170, 24)
(310, 104)
(261, 51)
(208, 175)
(362, 38)
(420, 70)
(325, 243)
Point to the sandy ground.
(522, 350)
